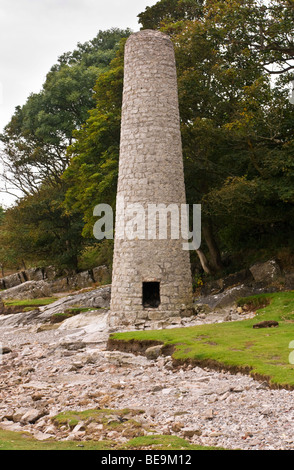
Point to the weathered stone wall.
(150, 172)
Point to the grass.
(23, 441)
(162, 442)
(235, 346)
(123, 421)
(27, 303)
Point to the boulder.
(153, 352)
(50, 273)
(20, 319)
(34, 274)
(289, 281)
(4, 350)
(31, 416)
(96, 298)
(265, 272)
(240, 277)
(12, 281)
(83, 320)
(80, 280)
(226, 298)
(101, 274)
(27, 290)
(59, 285)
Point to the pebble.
(48, 372)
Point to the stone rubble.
(47, 372)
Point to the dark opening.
(151, 294)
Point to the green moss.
(68, 313)
(72, 418)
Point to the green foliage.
(37, 230)
(236, 124)
(36, 139)
(40, 228)
(98, 254)
(170, 11)
(92, 173)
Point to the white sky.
(34, 33)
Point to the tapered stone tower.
(151, 278)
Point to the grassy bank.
(235, 346)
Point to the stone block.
(265, 272)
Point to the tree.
(36, 139)
(92, 174)
(36, 230)
(170, 11)
(224, 59)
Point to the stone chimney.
(151, 279)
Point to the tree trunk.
(215, 257)
(203, 261)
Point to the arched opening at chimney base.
(151, 294)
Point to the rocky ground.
(48, 371)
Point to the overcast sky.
(34, 33)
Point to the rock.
(96, 299)
(8, 426)
(239, 277)
(37, 396)
(59, 285)
(190, 432)
(208, 415)
(74, 346)
(12, 281)
(82, 320)
(101, 274)
(80, 280)
(226, 298)
(153, 352)
(5, 350)
(266, 324)
(8, 414)
(289, 281)
(76, 366)
(41, 436)
(265, 272)
(79, 427)
(202, 309)
(50, 273)
(18, 414)
(19, 319)
(34, 274)
(28, 290)
(31, 416)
